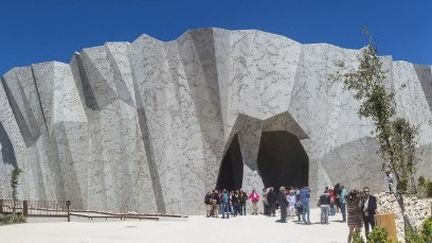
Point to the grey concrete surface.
(144, 126)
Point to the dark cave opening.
(231, 170)
(282, 160)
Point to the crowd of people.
(293, 202)
(357, 208)
(228, 203)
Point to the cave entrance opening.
(231, 169)
(282, 160)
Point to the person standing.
(254, 197)
(209, 203)
(369, 207)
(292, 203)
(271, 200)
(235, 201)
(354, 210)
(304, 199)
(324, 204)
(216, 202)
(337, 190)
(266, 208)
(283, 204)
(298, 205)
(225, 203)
(332, 205)
(343, 202)
(243, 198)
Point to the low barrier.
(31, 208)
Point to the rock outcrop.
(151, 125)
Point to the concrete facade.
(145, 126)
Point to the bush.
(428, 189)
(403, 185)
(14, 218)
(424, 235)
(426, 230)
(412, 236)
(425, 186)
(378, 235)
(357, 238)
(421, 181)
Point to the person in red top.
(254, 197)
(332, 194)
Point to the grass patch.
(14, 218)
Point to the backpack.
(207, 199)
(225, 199)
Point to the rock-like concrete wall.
(145, 125)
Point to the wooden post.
(68, 203)
(387, 222)
(1, 205)
(25, 208)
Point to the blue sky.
(44, 30)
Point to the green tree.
(395, 135)
(14, 185)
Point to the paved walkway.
(197, 229)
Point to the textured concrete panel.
(150, 126)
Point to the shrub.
(428, 189)
(421, 181)
(412, 236)
(403, 185)
(378, 235)
(357, 238)
(426, 230)
(14, 218)
(424, 235)
(425, 186)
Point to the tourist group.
(356, 207)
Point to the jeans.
(325, 214)
(332, 209)
(343, 211)
(283, 214)
(299, 212)
(306, 214)
(236, 208)
(255, 208)
(272, 209)
(225, 209)
(243, 209)
(209, 208)
(368, 219)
